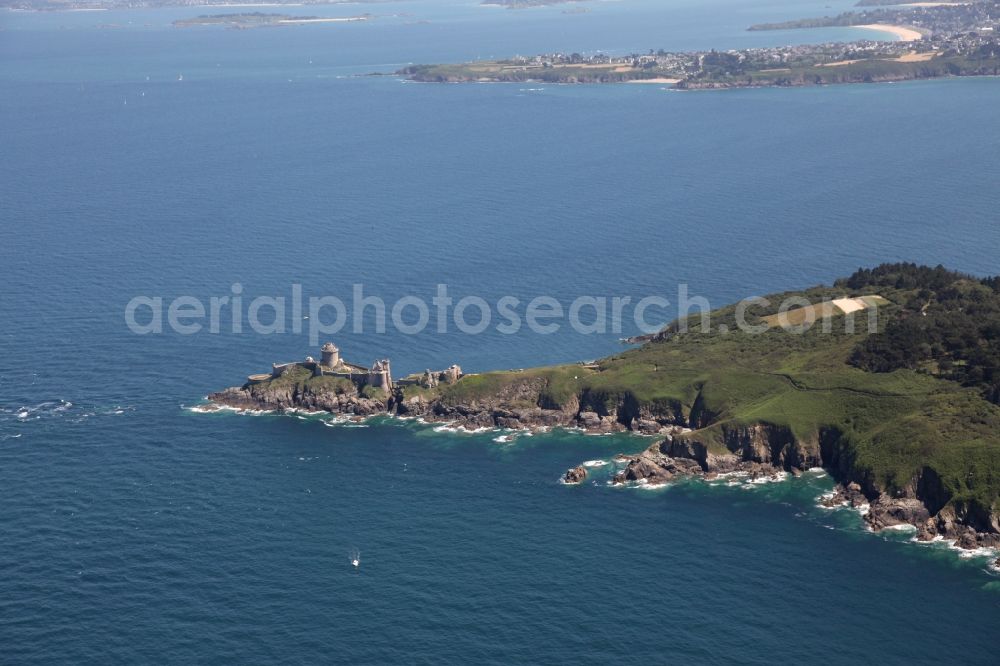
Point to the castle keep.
(330, 356)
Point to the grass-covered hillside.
(909, 398)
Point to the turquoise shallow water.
(136, 530)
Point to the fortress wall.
(279, 369)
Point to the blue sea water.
(134, 529)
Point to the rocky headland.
(907, 446)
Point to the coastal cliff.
(763, 450)
(903, 416)
(522, 400)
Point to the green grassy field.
(893, 423)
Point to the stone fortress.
(379, 375)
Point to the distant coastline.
(933, 40)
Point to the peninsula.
(905, 418)
(934, 40)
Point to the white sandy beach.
(661, 80)
(904, 34)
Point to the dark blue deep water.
(133, 529)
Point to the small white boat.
(355, 558)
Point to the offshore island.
(905, 418)
(247, 20)
(934, 40)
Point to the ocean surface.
(137, 159)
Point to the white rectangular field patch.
(849, 305)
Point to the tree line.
(948, 324)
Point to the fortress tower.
(331, 356)
(380, 375)
(452, 374)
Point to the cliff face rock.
(761, 443)
(290, 396)
(479, 416)
(771, 444)
(595, 422)
(412, 407)
(516, 406)
(884, 511)
(955, 522)
(688, 448)
(763, 449)
(755, 450)
(620, 412)
(929, 488)
(889, 512)
(838, 458)
(924, 502)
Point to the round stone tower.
(331, 356)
